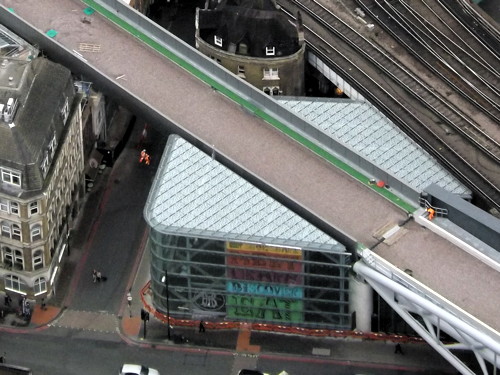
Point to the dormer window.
(243, 49)
(11, 177)
(218, 41)
(270, 51)
(45, 164)
(65, 110)
(52, 146)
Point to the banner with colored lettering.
(264, 282)
(265, 308)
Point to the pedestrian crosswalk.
(87, 320)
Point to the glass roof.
(194, 195)
(365, 130)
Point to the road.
(59, 351)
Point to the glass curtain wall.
(236, 281)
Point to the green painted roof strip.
(249, 106)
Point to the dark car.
(250, 372)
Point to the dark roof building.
(39, 91)
(41, 171)
(256, 41)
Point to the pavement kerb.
(273, 328)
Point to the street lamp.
(164, 279)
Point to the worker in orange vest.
(144, 157)
(431, 213)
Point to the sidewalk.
(248, 340)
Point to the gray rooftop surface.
(194, 195)
(367, 131)
(303, 176)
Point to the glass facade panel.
(237, 281)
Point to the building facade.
(223, 250)
(41, 172)
(256, 41)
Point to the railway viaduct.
(229, 120)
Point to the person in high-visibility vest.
(144, 157)
(431, 213)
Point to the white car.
(128, 369)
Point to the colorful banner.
(256, 249)
(272, 290)
(265, 308)
(265, 263)
(249, 274)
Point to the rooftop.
(194, 195)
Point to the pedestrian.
(27, 309)
(129, 299)
(94, 275)
(99, 276)
(202, 327)
(44, 307)
(144, 157)
(7, 300)
(398, 349)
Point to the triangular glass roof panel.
(194, 195)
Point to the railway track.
(420, 118)
(482, 28)
(475, 77)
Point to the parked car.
(129, 369)
(250, 372)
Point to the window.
(14, 208)
(37, 259)
(11, 177)
(272, 91)
(241, 71)
(40, 285)
(18, 260)
(6, 230)
(45, 164)
(65, 110)
(9, 207)
(16, 232)
(270, 51)
(7, 256)
(243, 49)
(217, 41)
(36, 232)
(52, 147)
(14, 283)
(33, 207)
(271, 73)
(4, 205)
